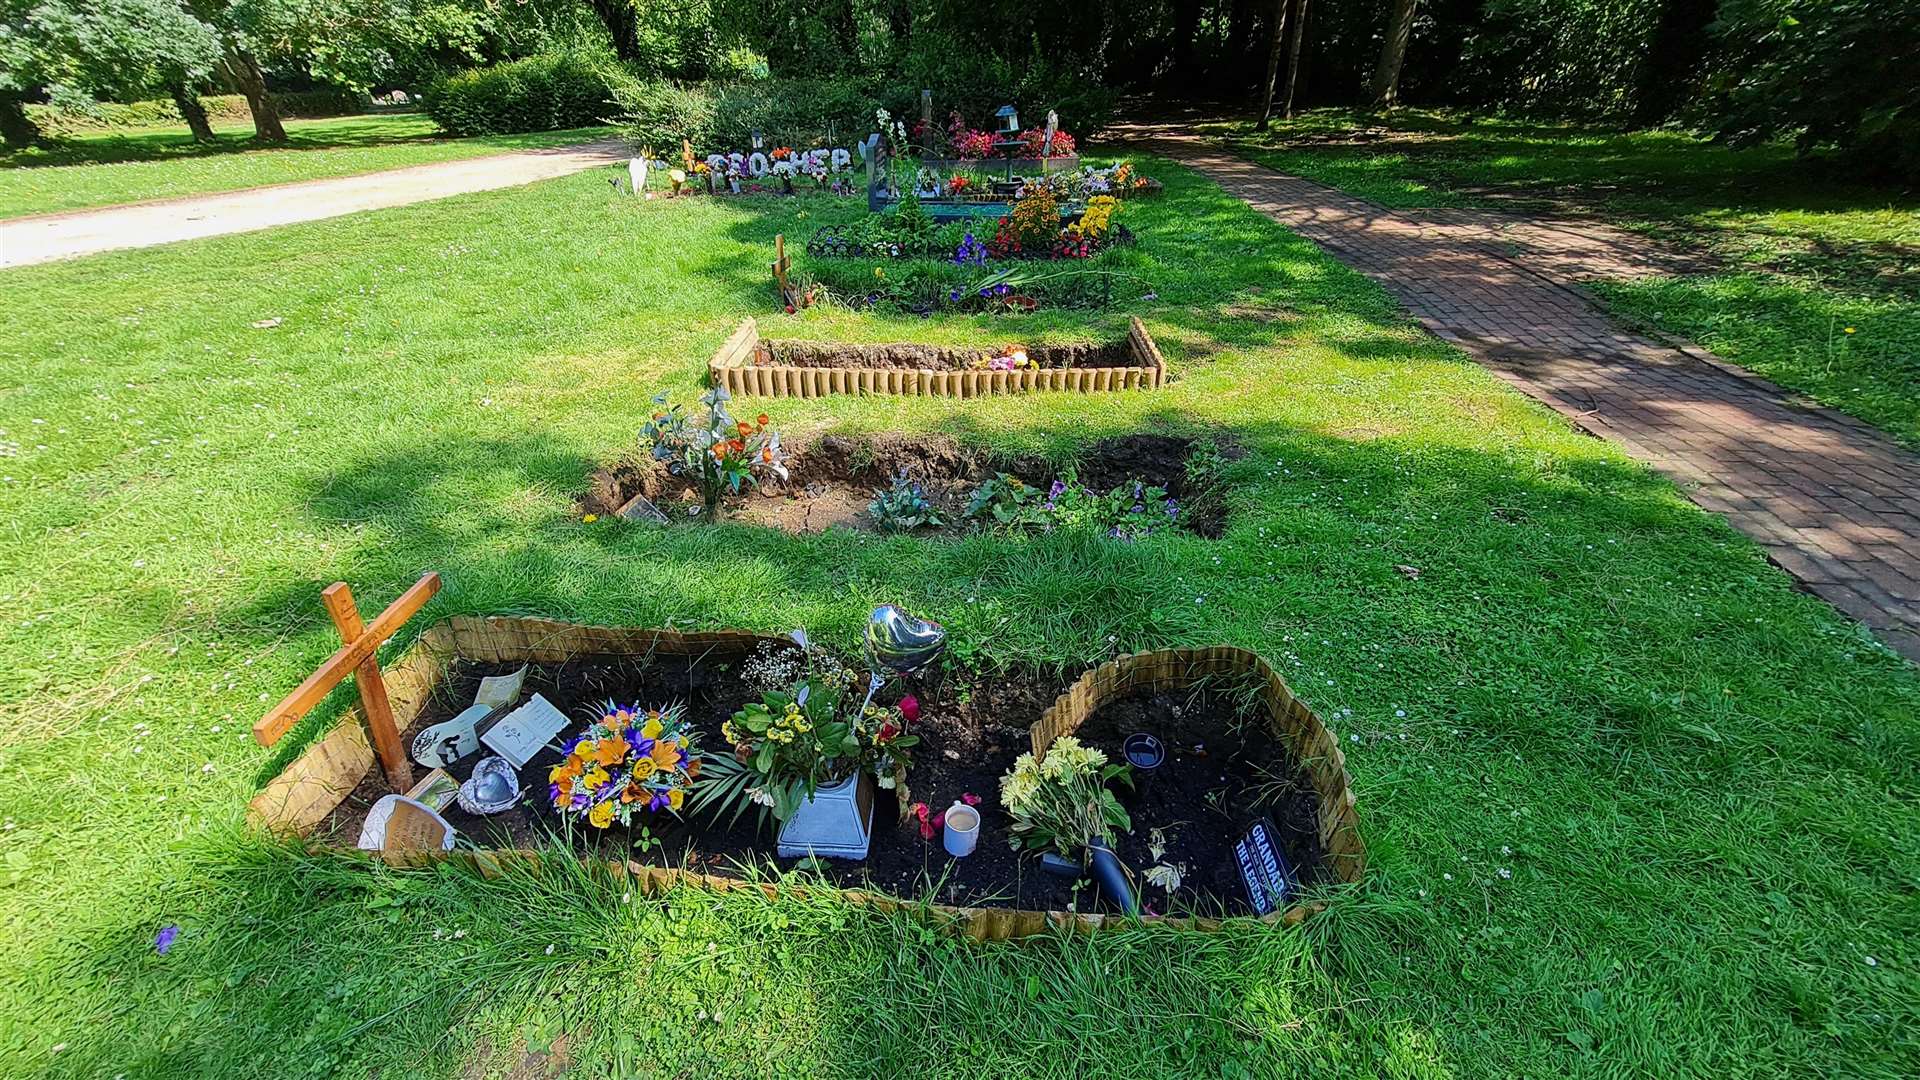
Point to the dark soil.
(1219, 764)
(831, 482)
(824, 354)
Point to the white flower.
(549, 950)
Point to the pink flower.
(926, 820)
(970, 799)
(910, 709)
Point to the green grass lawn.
(1797, 252)
(1635, 806)
(163, 163)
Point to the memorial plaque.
(500, 690)
(523, 732)
(447, 742)
(1263, 869)
(435, 790)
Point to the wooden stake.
(359, 642)
(374, 707)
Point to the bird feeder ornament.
(1009, 120)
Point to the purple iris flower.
(1173, 509)
(163, 940)
(658, 802)
(643, 747)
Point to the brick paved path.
(1833, 501)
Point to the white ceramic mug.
(962, 829)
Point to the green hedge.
(109, 116)
(719, 117)
(722, 117)
(541, 93)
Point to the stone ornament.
(493, 787)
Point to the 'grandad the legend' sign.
(1263, 869)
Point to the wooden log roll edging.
(734, 365)
(311, 787)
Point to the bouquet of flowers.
(716, 452)
(629, 760)
(1063, 801)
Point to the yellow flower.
(675, 798)
(729, 732)
(1849, 330)
(601, 815)
(642, 768)
(595, 780)
(591, 518)
(651, 729)
(879, 273)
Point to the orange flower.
(763, 420)
(666, 753)
(738, 446)
(745, 428)
(767, 454)
(613, 750)
(693, 768)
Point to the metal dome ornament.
(493, 787)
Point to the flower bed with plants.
(1042, 245)
(746, 365)
(651, 713)
(1126, 488)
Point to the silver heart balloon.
(493, 787)
(902, 643)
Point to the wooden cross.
(783, 266)
(358, 643)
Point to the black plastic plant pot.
(1111, 873)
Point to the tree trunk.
(246, 74)
(1393, 53)
(1186, 23)
(1276, 44)
(16, 127)
(1670, 70)
(623, 26)
(193, 112)
(1293, 56)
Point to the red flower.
(928, 823)
(910, 709)
(970, 799)
(886, 733)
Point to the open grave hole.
(1223, 770)
(833, 481)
